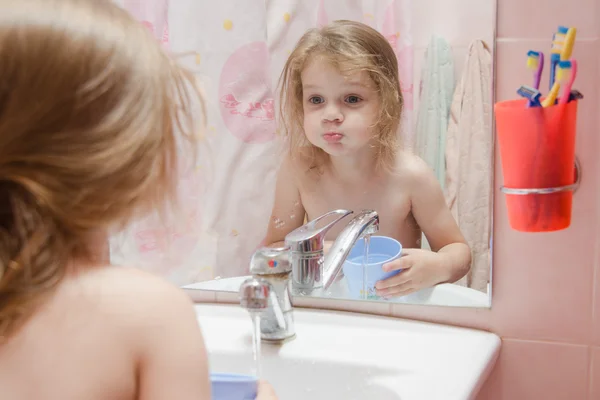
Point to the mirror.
(437, 194)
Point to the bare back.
(110, 333)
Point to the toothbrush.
(531, 94)
(569, 43)
(565, 67)
(535, 62)
(551, 98)
(561, 76)
(557, 46)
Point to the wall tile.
(538, 19)
(538, 370)
(595, 374)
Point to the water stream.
(365, 288)
(255, 316)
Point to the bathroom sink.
(441, 295)
(337, 355)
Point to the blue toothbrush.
(558, 41)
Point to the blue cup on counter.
(382, 249)
(225, 386)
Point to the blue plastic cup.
(382, 250)
(226, 386)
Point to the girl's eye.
(316, 100)
(353, 99)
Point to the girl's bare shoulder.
(128, 296)
(410, 168)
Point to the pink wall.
(546, 287)
(546, 293)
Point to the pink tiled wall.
(546, 287)
(546, 300)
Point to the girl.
(340, 110)
(92, 113)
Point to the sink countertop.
(339, 355)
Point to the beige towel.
(469, 168)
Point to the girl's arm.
(288, 212)
(437, 223)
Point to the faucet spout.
(365, 223)
(312, 271)
(268, 293)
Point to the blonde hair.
(350, 46)
(92, 113)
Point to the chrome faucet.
(311, 269)
(268, 293)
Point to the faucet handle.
(271, 261)
(254, 294)
(309, 238)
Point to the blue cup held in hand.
(233, 386)
(382, 249)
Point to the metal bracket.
(568, 188)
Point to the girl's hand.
(420, 269)
(265, 391)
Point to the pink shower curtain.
(154, 14)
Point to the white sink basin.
(441, 295)
(348, 356)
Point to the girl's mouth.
(333, 137)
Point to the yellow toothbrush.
(551, 98)
(562, 48)
(569, 43)
(563, 74)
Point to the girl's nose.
(333, 114)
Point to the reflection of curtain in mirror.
(437, 87)
(238, 49)
(469, 169)
(152, 13)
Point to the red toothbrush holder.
(541, 172)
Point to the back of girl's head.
(351, 47)
(92, 113)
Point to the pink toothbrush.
(564, 99)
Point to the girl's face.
(339, 109)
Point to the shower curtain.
(237, 49)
